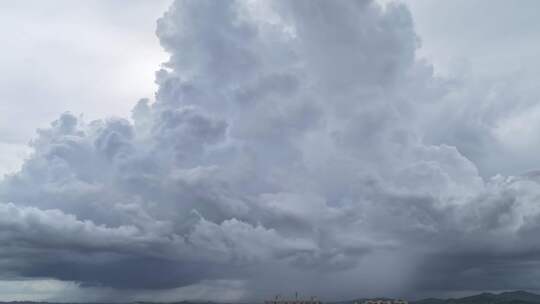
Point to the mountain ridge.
(507, 297)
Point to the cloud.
(287, 148)
(50, 44)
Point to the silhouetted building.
(385, 301)
(296, 300)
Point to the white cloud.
(62, 55)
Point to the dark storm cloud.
(284, 149)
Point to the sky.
(234, 150)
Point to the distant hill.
(511, 297)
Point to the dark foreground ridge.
(511, 297)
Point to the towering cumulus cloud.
(284, 151)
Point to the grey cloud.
(288, 150)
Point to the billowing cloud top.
(285, 149)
